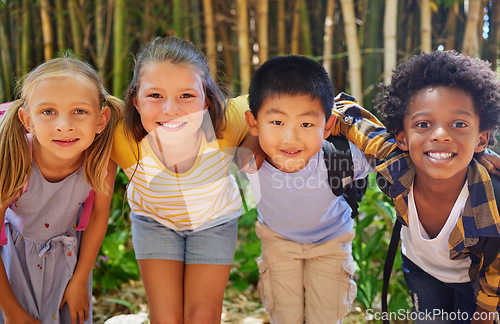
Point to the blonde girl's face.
(171, 101)
(64, 115)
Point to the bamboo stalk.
(390, 44)
(48, 48)
(243, 45)
(76, 31)
(281, 27)
(263, 29)
(425, 26)
(118, 47)
(354, 53)
(211, 51)
(328, 37)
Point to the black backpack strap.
(338, 160)
(388, 264)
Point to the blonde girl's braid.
(15, 156)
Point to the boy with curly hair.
(442, 108)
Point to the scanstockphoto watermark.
(429, 315)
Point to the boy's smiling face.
(441, 132)
(290, 130)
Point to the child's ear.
(329, 125)
(206, 106)
(401, 141)
(25, 118)
(482, 143)
(104, 116)
(252, 123)
(134, 102)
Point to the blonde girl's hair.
(176, 51)
(15, 155)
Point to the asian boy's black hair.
(441, 68)
(291, 75)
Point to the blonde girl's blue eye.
(80, 111)
(48, 112)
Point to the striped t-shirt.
(204, 196)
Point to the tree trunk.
(263, 29)
(76, 31)
(211, 51)
(471, 42)
(26, 37)
(178, 18)
(451, 26)
(6, 69)
(294, 46)
(118, 48)
(390, 32)
(354, 54)
(243, 45)
(328, 37)
(48, 48)
(60, 28)
(425, 26)
(281, 14)
(195, 22)
(373, 42)
(305, 28)
(494, 36)
(100, 31)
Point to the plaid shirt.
(479, 217)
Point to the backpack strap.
(87, 209)
(388, 264)
(338, 160)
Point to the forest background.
(359, 42)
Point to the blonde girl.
(55, 144)
(176, 143)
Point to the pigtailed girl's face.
(64, 115)
(171, 101)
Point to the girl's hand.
(491, 161)
(77, 297)
(21, 318)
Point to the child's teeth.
(439, 156)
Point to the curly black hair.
(441, 68)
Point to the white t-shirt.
(433, 255)
(301, 206)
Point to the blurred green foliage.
(116, 263)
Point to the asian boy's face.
(290, 130)
(441, 133)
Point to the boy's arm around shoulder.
(76, 294)
(362, 128)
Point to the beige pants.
(305, 283)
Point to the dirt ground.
(238, 308)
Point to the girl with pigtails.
(55, 182)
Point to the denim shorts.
(214, 245)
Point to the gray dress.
(42, 250)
